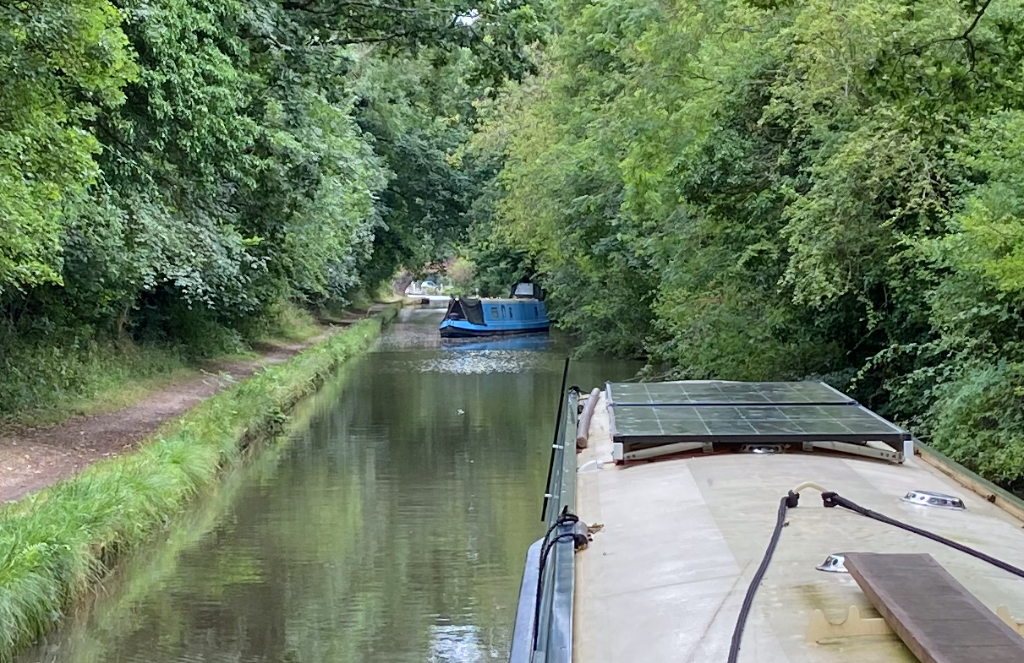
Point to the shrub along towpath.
(33, 458)
(56, 543)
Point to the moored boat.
(523, 313)
(678, 532)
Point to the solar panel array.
(755, 423)
(724, 393)
(752, 412)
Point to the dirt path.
(33, 459)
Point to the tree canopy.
(741, 189)
(171, 171)
(170, 168)
(751, 189)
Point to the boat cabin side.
(510, 310)
(491, 311)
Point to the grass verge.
(56, 544)
(47, 383)
(94, 623)
(47, 380)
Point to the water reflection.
(458, 643)
(392, 529)
(468, 362)
(531, 342)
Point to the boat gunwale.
(972, 481)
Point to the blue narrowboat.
(523, 313)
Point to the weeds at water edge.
(56, 544)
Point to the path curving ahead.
(33, 459)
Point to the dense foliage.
(748, 189)
(762, 189)
(170, 170)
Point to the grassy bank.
(46, 379)
(45, 383)
(54, 545)
(89, 630)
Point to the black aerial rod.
(554, 442)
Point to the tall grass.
(284, 320)
(54, 545)
(40, 376)
(49, 376)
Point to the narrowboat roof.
(681, 537)
(502, 300)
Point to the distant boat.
(523, 313)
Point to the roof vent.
(761, 449)
(940, 500)
(834, 563)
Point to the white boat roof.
(664, 579)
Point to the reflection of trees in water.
(395, 530)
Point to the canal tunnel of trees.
(740, 189)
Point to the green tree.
(771, 190)
(171, 170)
(62, 64)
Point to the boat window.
(536, 312)
(502, 310)
(510, 316)
(494, 312)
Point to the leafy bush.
(770, 190)
(978, 419)
(51, 375)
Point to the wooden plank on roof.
(938, 619)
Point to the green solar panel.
(724, 393)
(751, 423)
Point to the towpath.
(33, 458)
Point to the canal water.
(391, 528)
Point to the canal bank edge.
(157, 559)
(55, 544)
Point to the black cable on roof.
(830, 500)
(787, 502)
(834, 499)
(564, 518)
